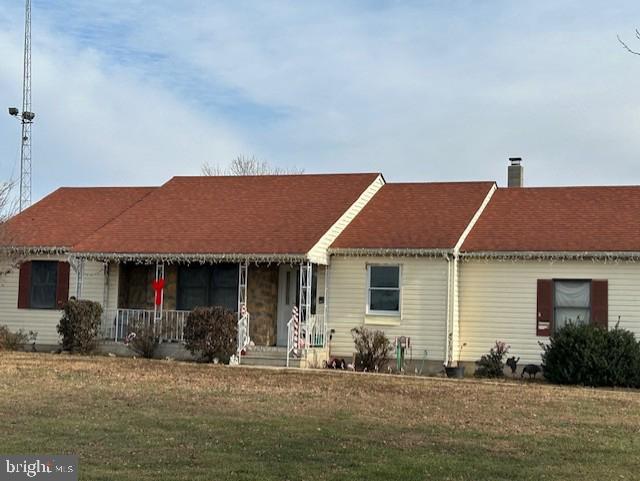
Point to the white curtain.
(572, 302)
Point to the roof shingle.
(572, 219)
(415, 216)
(278, 214)
(68, 215)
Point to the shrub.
(142, 339)
(14, 341)
(211, 332)
(372, 349)
(79, 326)
(591, 356)
(492, 364)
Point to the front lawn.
(133, 419)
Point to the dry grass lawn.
(133, 419)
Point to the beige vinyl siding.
(113, 283)
(44, 321)
(498, 301)
(423, 303)
(318, 252)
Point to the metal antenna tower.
(26, 116)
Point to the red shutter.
(600, 303)
(24, 286)
(62, 289)
(544, 317)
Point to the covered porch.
(278, 304)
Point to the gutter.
(147, 258)
(33, 250)
(606, 256)
(389, 252)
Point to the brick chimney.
(515, 172)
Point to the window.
(44, 284)
(208, 285)
(572, 302)
(384, 290)
(224, 286)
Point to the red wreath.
(158, 285)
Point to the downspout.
(448, 323)
(453, 320)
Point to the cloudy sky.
(131, 92)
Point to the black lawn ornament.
(531, 370)
(512, 362)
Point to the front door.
(287, 298)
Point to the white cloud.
(418, 90)
(101, 124)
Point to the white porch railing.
(313, 334)
(316, 333)
(117, 324)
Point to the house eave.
(21, 251)
(594, 256)
(390, 252)
(149, 258)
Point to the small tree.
(492, 364)
(10, 258)
(243, 165)
(211, 332)
(372, 349)
(79, 326)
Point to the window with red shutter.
(600, 303)
(43, 285)
(24, 286)
(544, 317)
(62, 287)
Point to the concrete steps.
(268, 356)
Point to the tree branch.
(626, 47)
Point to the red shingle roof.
(282, 214)
(68, 215)
(578, 219)
(415, 216)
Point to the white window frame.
(371, 312)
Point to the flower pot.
(455, 372)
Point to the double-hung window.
(44, 283)
(383, 296)
(208, 285)
(572, 302)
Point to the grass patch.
(136, 419)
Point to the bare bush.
(243, 165)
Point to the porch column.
(304, 302)
(242, 287)
(325, 306)
(78, 266)
(105, 292)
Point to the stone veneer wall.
(262, 303)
